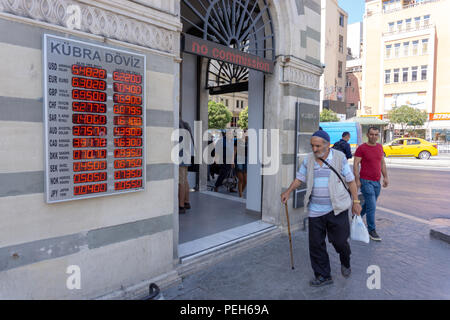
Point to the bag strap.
(334, 170)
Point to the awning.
(368, 121)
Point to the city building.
(405, 60)
(353, 87)
(91, 94)
(236, 102)
(333, 44)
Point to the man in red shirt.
(371, 157)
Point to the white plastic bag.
(358, 230)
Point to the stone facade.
(122, 242)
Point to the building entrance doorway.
(219, 215)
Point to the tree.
(218, 115)
(243, 119)
(407, 116)
(328, 116)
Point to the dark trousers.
(224, 171)
(338, 230)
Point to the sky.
(354, 8)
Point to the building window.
(387, 76)
(397, 50)
(426, 20)
(406, 49)
(408, 24)
(399, 25)
(388, 51)
(405, 74)
(414, 73)
(341, 19)
(226, 102)
(415, 49)
(391, 26)
(417, 22)
(349, 82)
(424, 72)
(425, 46)
(237, 104)
(396, 75)
(339, 69)
(341, 44)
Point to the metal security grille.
(245, 25)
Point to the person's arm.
(294, 185)
(350, 179)
(300, 177)
(348, 150)
(384, 172)
(356, 163)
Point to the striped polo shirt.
(320, 203)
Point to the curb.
(441, 233)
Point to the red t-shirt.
(371, 157)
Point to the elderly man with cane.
(327, 202)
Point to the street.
(420, 193)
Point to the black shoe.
(181, 210)
(320, 281)
(374, 235)
(346, 271)
(187, 205)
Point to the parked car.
(410, 147)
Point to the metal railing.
(444, 147)
(410, 5)
(411, 29)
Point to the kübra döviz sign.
(219, 52)
(94, 115)
(439, 116)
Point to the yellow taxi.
(410, 147)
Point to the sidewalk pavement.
(413, 266)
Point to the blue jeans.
(371, 191)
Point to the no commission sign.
(216, 51)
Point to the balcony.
(406, 4)
(410, 29)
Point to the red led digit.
(127, 99)
(127, 77)
(89, 143)
(88, 83)
(88, 71)
(127, 110)
(129, 163)
(89, 95)
(127, 153)
(89, 154)
(127, 174)
(88, 119)
(127, 121)
(130, 184)
(89, 131)
(128, 142)
(127, 88)
(90, 188)
(90, 177)
(78, 106)
(89, 166)
(127, 132)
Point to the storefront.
(88, 188)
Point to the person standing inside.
(183, 184)
(343, 145)
(371, 157)
(327, 202)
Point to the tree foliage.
(407, 116)
(243, 119)
(218, 115)
(328, 116)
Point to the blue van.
(336, 129)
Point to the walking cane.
(290, 239)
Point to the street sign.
(94, 115)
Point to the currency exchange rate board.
(94, 109)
